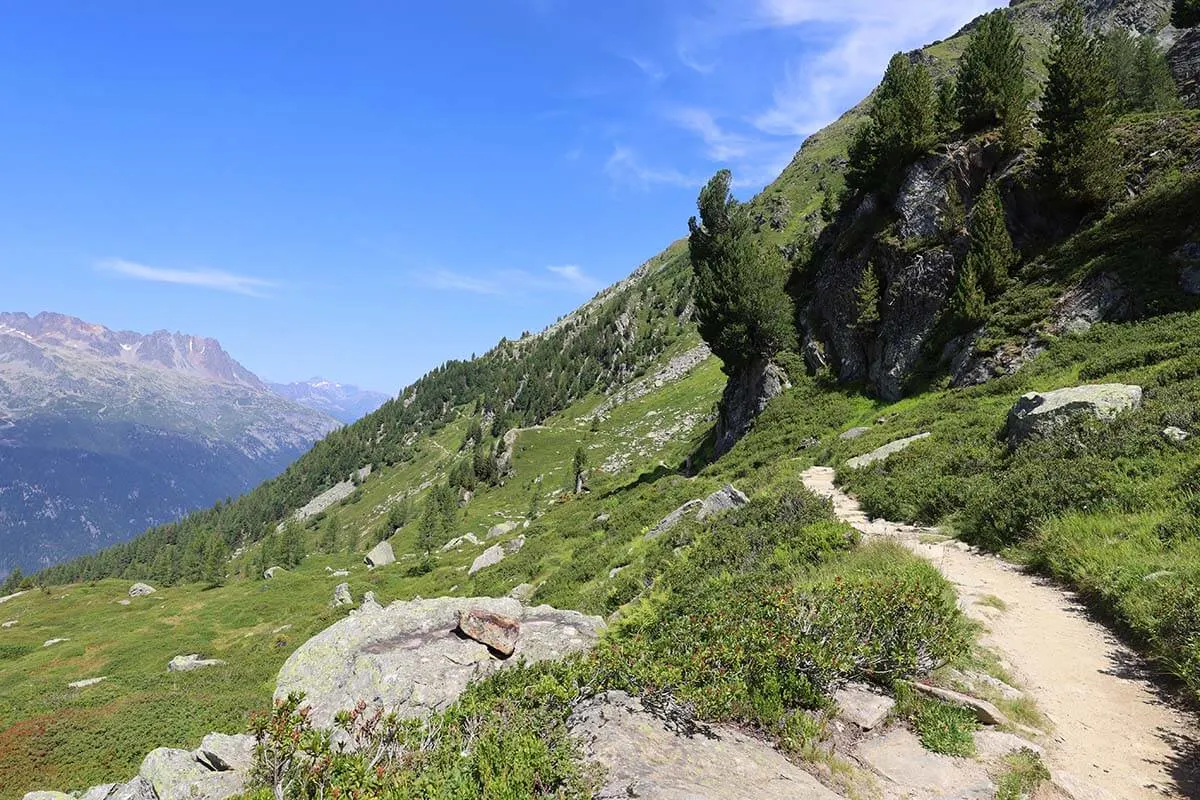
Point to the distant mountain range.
(338, 400)
(104, 433)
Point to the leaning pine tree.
(1077, 156)
(743, 310)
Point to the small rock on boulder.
(409, 658)
(221, 752)
(380, 556)
(141, 590)
(1039, 413)
(522, 592)
(495, 630)
(190, 662)
(342, 596)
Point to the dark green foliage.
(1185, 13)
(968, 303)
(1077, 155)
(941, 727)
(1138, 69)
(868, 295)
(579, 466)
(902, 125)
(991, 256)
(216, 557)
(991, 87)
(438, 517)
(329, 534)
(743, 311)
(947, 107)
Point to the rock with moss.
(1044, 413)
(409, 657)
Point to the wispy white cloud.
(648, 67)
(554, 279)
(217, 280)
(624, 167)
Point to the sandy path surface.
(1115, 737)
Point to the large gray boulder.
(141, 590)
(1042, 413)
(746, 395)
(881, 453)
(137, 789)
(380, 556)
(646, 755)
(177, 775)
(409, 658)
(724, 499)
(342, 596)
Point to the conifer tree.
(991, 87)
(1077, 156)
(902, 125)
(329, 534)
(1185, 13)
(744, 313)
(1154, 84)
(968, 303)
(214, 561)
(947, 107)
(991, 256)
(867, 295)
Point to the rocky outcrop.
(724, 499)
(495, 554)
(1184, 60)
(879, 454)
(647, 753)
(410, 658)
(191, 662)
(747, 393)
(380, 556)
(141, 590)
(1099, 298)
(224, 753)
(177, 775)
(1041, 414)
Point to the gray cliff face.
(1184, 59)
(746, 396)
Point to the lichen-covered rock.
(141, 590)
(879, 454)
(494, 630)
(409, 658)
(342, 596)
(47, 796)
(853, 433)
(648, 754)
(499, 530)
(137, 789)
(271, 572)
(222, 752)
(101, 792)
(380, 556)
(1039, 413)
(746, 394)
(166, 767)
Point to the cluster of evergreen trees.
(1185, 13)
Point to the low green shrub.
(941, 727)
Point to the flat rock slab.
(86, 682)
(47, 796)
(410, 658)
(984, 711)
(861, 705)
(495, 554)
(190, 662)
(853, 433)
(647, 756)
(222, 752)
(919, 774)
(992, 745)
(494, 630)
(52, 642)
(866, 460)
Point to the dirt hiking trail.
(1115, 736)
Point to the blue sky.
(362, 190)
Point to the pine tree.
(1077, 156)
(947, 107)
(867, 295)
(901, 126)
(579, 466)
(1119, 49)
(1155, 88)
(968, 303)
(744, 313)
(991, 256)
(991, 87)
(215, 558)
(1185, 13)
(329, 534)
